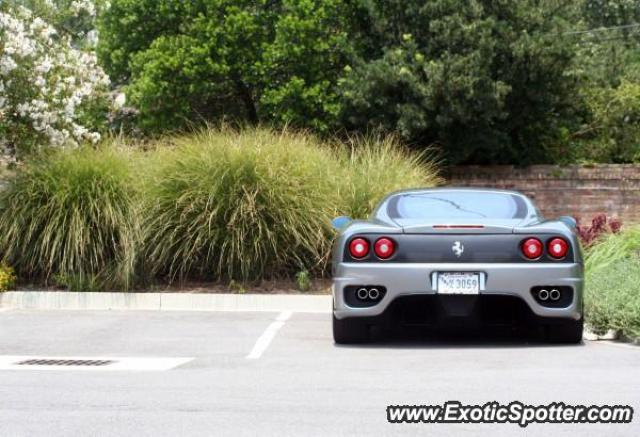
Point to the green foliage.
(612, 268)
(613, 134)
(237, 287)
(606, 40)
(259, 204)
(487, 82)
(612, 299)
(242, 206)
(303, 280)
(7, 277)
(275, 61)
(612, 13)
(375, 166)
(80, 282)
(215, 205)
(612, 249)
(71, 213)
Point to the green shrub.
(217, 204)
(80, 282)
(7, 277)
(612, 249)
(241, 206)
(613, 131)
(612, 299)
(191, 61)
(259, 204)
(303, 280)
(71, 213)
(376, 166)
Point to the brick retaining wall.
(579, 191)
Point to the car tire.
(567, 332)
(349, 331)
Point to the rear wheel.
(566, 332)
(349, 331)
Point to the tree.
(52, 91)
(488, 82)
(275, 61)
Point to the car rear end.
(457, 273)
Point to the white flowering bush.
(53, 93)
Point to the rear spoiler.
(458, 229)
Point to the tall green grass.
(71, 213)
(375, 166)
(612, 249)
(258, 204)
(213, 205)
(239, 205)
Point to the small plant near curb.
(79, 282)
(237, 287)
(303, 280)
(7, 277)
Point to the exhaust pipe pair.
(371, 293)
(545, 295)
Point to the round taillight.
(557, 248)
(359, 247)
(532, 248)
(384, 248)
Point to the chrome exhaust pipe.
(554, 294)
(543, 294)
(374, 294)
(362, 293)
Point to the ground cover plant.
(612, 299)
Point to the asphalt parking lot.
(280, 374)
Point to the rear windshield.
(457, 205)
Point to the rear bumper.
(512, 279)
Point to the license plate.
(458, 283)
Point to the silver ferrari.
(456, 257)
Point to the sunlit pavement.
(281, 374)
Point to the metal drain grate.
(58, 362)
(79, 363)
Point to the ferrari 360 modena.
(456, 257)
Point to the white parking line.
(265, 339)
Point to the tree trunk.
(247, 99)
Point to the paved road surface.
(297, 382)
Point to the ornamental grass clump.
(611, 248)
(375, 166)
(71, 213)
(249, 205)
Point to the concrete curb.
(66, 300)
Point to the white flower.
(120, 100)
(45, 66)
(44, 82)
(92, 38)
(7, 65)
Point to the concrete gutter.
(67, 300)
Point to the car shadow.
(443, 338)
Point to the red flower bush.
(600, 225)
